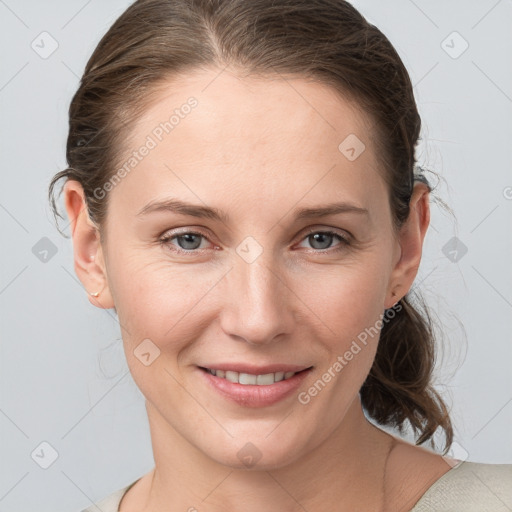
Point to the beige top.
(468, 487)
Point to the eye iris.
(189, 240)
(321, 238)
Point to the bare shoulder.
(410, 471)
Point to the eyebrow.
(329, 209)
(207, 212)
(181, 207)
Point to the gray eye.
(321, 240)
(189, 241)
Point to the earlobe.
(89, 263)
(410, 240)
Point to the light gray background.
(53, 340)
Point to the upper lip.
(255, 370)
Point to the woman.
(241, 191)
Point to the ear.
(410, 244)
(89, 261)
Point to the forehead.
(265, 137)
(248, 105)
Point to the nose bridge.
(259, 309)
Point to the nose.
(259, 304)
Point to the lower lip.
(249, 395)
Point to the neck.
(337, 474)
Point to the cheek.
(156, 300)
(350, 306)
(349, 302)
(161, 312)
(346, 299)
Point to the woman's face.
(235, 276)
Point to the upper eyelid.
(336, 231)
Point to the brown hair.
(325, 40)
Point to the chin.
(260, 454)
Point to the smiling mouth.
(266, 379)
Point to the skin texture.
(256, 149)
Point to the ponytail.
(399, 387)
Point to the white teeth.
(265, 380)
(278, 376)
(232, 376)
(246, 378)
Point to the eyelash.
(344, 241)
